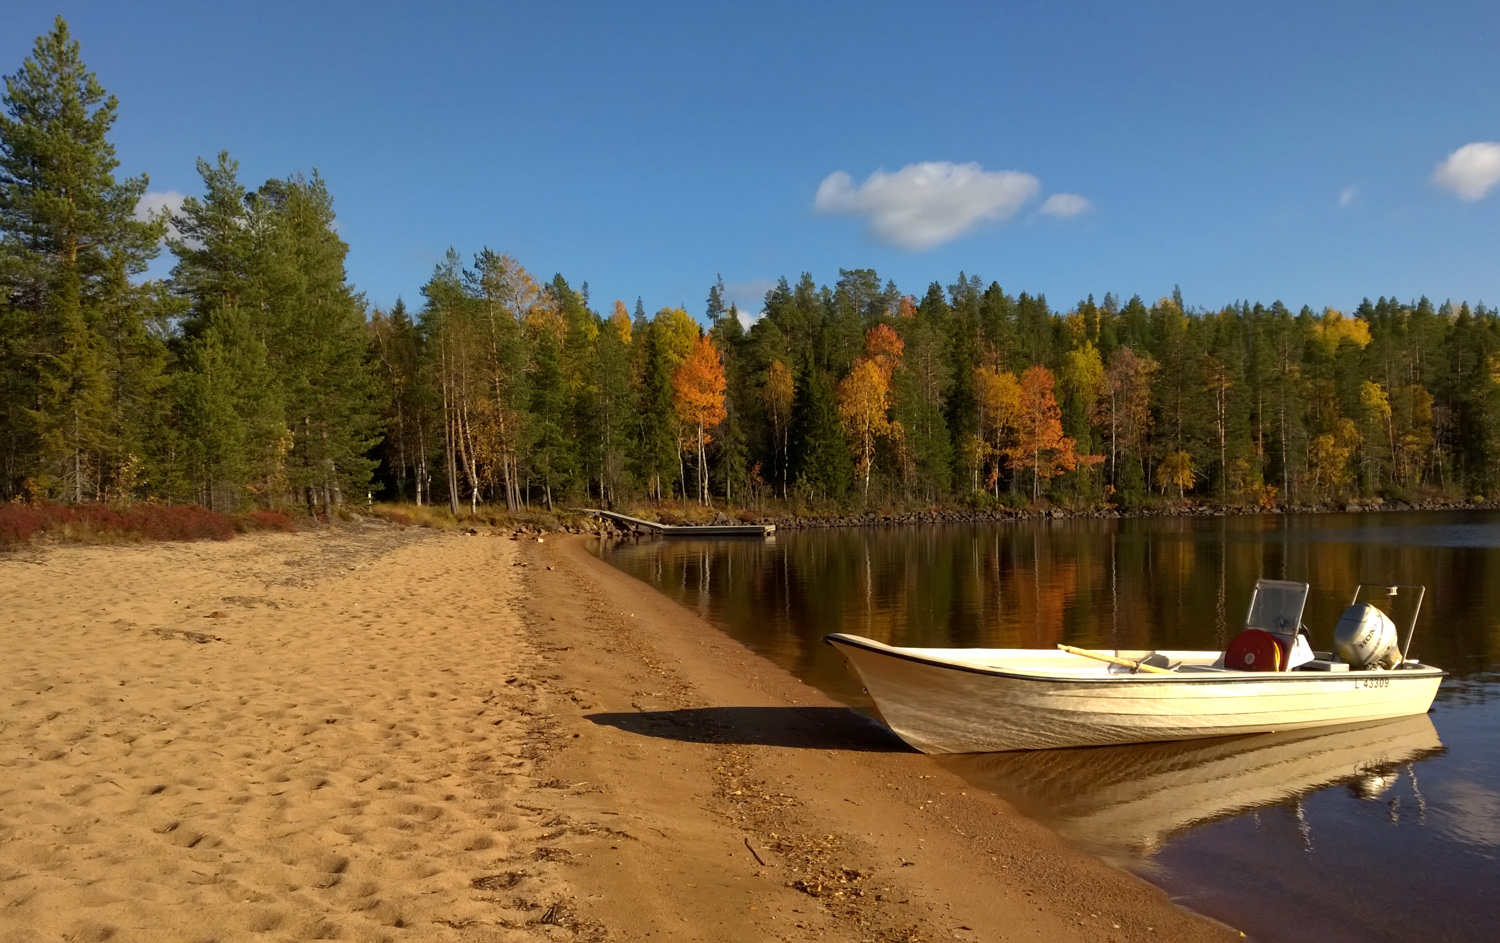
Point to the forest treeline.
(256, 376)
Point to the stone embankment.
(998, 515)
(961, 515)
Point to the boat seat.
(1201, 668)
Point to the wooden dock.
(699, 531)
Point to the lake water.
(1385, 832)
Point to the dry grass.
(687, 512)
(410, 515)
(438, 517)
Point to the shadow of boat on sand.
(1124, 802)
(803, 728)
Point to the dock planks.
(688, 530)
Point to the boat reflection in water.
(1124, 802)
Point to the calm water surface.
(1385, 832)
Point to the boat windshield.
(1277, 606)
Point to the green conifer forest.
(257, 376)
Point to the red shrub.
(275, 520)
(20, 522)
(171, 522)
(263, 521)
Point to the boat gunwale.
(1207, 677)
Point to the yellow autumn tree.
(1328, 457)
(1377, 406)
(620, 321)
(1083, 377)
(1416, 443)
(676, 333)
(998, 394)
(864, 397)
(698, 395)
(863, 400)
(1176, 471)
(777, 395)
(1333, 328)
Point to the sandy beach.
(384, 733)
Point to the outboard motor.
(1366, 638)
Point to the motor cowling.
(1366, 638)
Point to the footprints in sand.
(340, 760)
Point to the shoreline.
(381, 733)
(1005, 515)
(887, 844)
(580, 522)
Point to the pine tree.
(732, 454)
(316, 341)
(228, 400)
(229, 415)
(17, 391)
(612, 404)
(824, 467)
(76, 340)
(716, 309)
(448, 343)
(398, 351)
(656, 430)
(552, 448)
(921, 386)
(214, 245)
(960, 406)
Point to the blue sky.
(1291, 151)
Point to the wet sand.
(380, 733)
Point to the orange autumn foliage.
(698, 395)
(1041, 445)
(884, 348)
(698, 386)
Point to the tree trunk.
(420, 471)
(702, 483)
(450, 437)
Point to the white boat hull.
(985, 700)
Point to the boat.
(974, 700)
(1126, 802)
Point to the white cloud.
(1471, 171)
(1063, 205)
(925, 205)
(1347, 195)
(155, 202)
(749, 297)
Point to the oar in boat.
(1126, 662)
